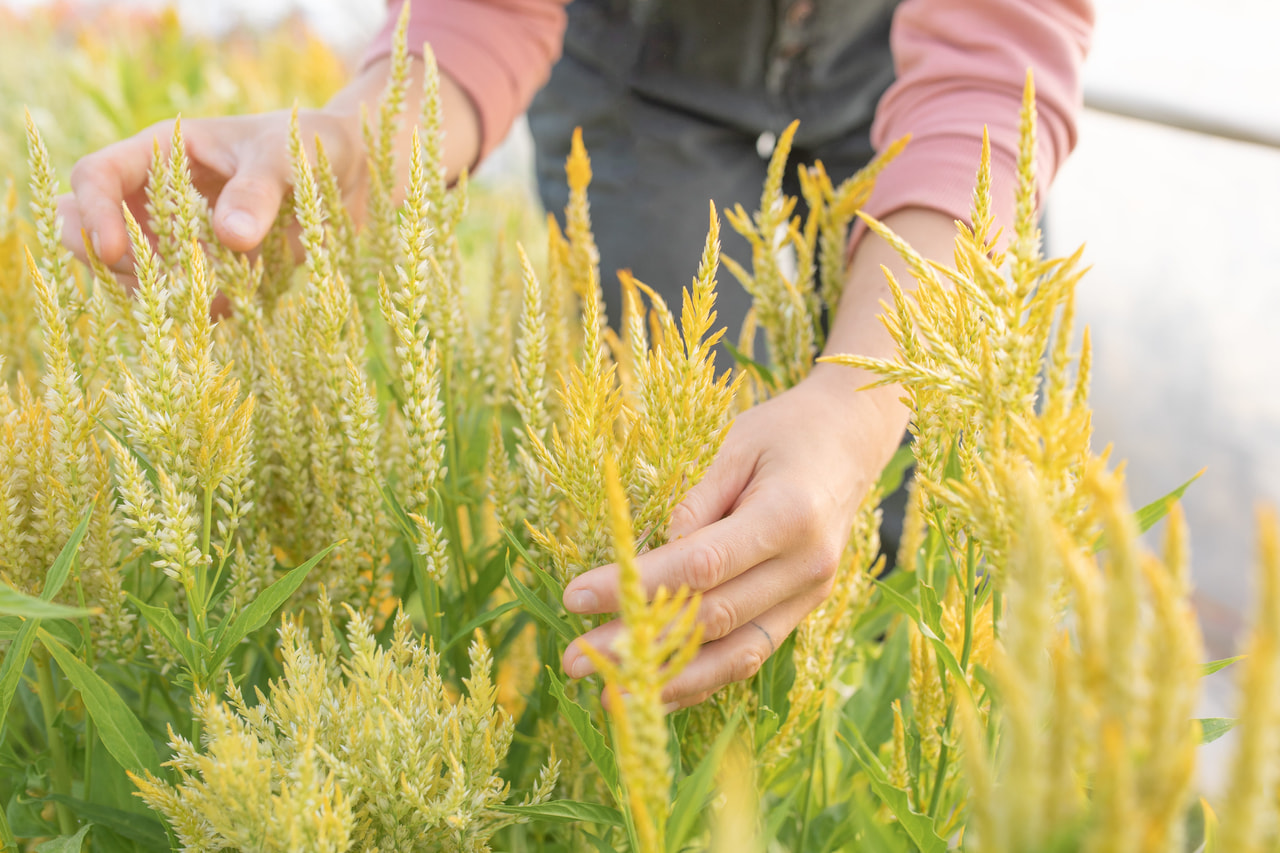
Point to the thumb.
(249, 202)
(715, 495)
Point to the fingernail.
(580, 667)
(671, 707)
(240, 224)
(97, 245)
(581, 601)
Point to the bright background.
(1183, 232)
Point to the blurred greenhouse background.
(1182, 230)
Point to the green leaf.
(953, 470)
(14, 603)
(595, 742)
(480, 621)
(1158, 509)
(746, 362)
(15, 657)
(918, 826)
(1218, 665)
(894, 473)
(262, 608)
(693, 792)
(1210, 827)
(407, 528)
(930, 608)
(121, 733)
(15, 660)
(1212, 728)
(61, 567)
(899, 600)
(146, 831)
(65, 843)
(143, 462)
(539, 609)
(167, 624)
(567, 811)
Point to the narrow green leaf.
(746, 362)
(15, 660)
(899, 600)
(567, 811)
(65, 843)
(121, 733)
(14, 603)
(1218, 665)
(136, 827)
(262, 608)
(143, 462)
(61, 567)
(398, 515)
(918, 826)
(596, 743)
(539, 609)
(1212, 728)
(480, 621)
(895, 472)
(953, 469)
(949, 662)
(1158, 509)
(930, 608)
(167, 624)
(15, 657)
(1210, 827)
(695, 790)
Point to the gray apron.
(677, 100)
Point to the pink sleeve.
(961, 64)
(499, 52)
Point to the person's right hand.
(240, 164)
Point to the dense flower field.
(291, 579)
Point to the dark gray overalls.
(677, 99)
(673, 98)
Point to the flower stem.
(48, 693)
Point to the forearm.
(856, 327)
(461, 121)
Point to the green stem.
(7, 840)
(970, 594)
(87, 633)
(944, 758)
(428, 592)
(48, 693)
(808, 793)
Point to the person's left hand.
(762, 534)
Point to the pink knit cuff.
(499, 52)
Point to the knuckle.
(705, 566)
(747, 663)
(718, 620)
(826, 561)
(682, 517)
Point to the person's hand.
(761, 535)
(239, 164)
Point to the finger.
(722, 611)
(575, 663)
(102, 181)
(712, 497)
(737, 601)
(701, 561)
(736, 657)
(248, 204)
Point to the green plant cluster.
(291, 579)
